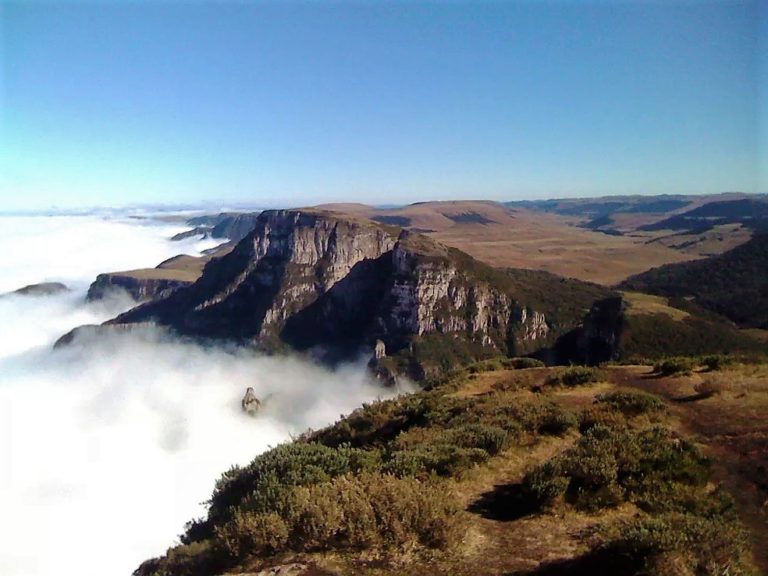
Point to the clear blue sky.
(294, 103)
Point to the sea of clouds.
(108, 446)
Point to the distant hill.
(507, 236)
(751, 213)
(733, 284)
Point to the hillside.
(314, 281)
(335, 287)
(734, 284)
(502, 471)
(150, 283)
(748, 212)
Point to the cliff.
(140, 284)
(153, 283)
(312, 280)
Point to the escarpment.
(312, 280)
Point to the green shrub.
(492, 439)
(486, 366)
(608, 465)
(546, 483)
(557, 421)
(674, 366)
(365, 511)
(261, 486)
(601, 415)
(631, 403)
(574, 376)
(707, 546)
(522, 363)
(249, 533)
(717, 361)
(441, 459)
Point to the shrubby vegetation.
(732, 284)
(574, 376)
(381, 480)
(364, 511)
(674, 366)
(685, 526)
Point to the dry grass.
(524, 239)
(639, 303)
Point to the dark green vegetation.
(733, 284)
(604, 207)
(564, 301)
(402, 487)
(749, 212)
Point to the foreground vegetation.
(457, 477)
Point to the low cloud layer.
(108, 446)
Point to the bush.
(715, 362)
(492, 439)
(522, 363)
(674, 366)
(252, 533)
(486, 366)
(574, 376)
(601, 415)
(631, 403)
(261, 486)
(557, 421)
(546, 483)
(441, 459)
(713, 385)
(366, 511)
(606, 466)
(706, 546)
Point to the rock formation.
(310, 279)
(140, 287)
(41, 289)
(250, 403)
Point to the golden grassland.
(521, 238)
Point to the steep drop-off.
(307, 279)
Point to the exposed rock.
(140, 288)
(231, 225)
(41, 289)
(90, 331)
(379, 350)
(250, 403)
(154, 283)
(312, 279)
(196, 231)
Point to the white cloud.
(108, 446)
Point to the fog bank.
(108, 446)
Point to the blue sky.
(298, 103)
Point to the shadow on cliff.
(344, 316)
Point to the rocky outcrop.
(196, 231)
(230, 225)
(41, 289)
(250, 403)
(139, 287)
(313, 280)
(154, 283)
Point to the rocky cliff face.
(139, 288)
(310, 280)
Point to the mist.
(108, 446)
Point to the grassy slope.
(734, 284)
(502, 533)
